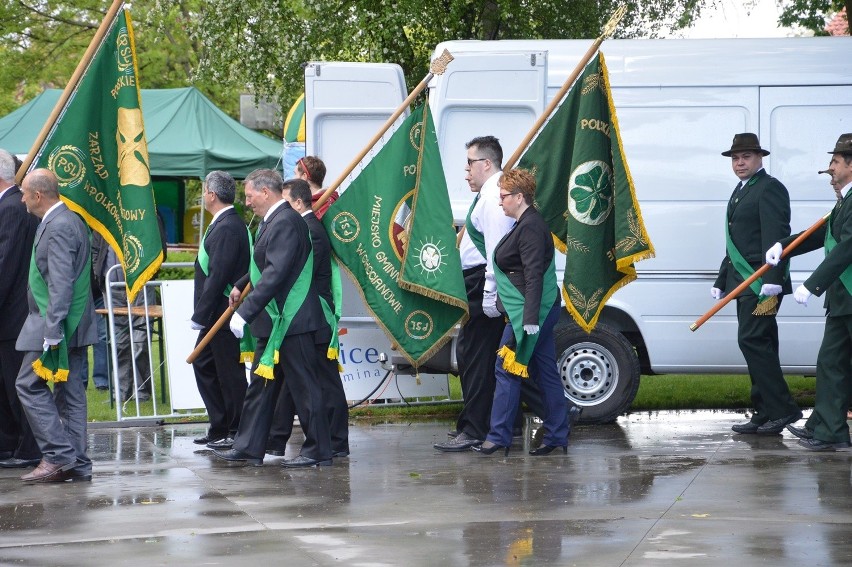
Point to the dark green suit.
(834, 362)
(758, 217)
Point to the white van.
(679, 104)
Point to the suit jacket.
(524, 255)
(227, 246)
(758, 217)
(838, 301)
(17, 231)
(62, 250)
(322, 269)
(280, 252)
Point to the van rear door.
(499, 94)
(345, 105)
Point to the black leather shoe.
(275, 452)
(777, 425)
(488, 448)
(800, 432)
(340, 454)
(302, 461)
(204, 440)
(547, 449)
(6, 455)
(223, 443)
(453, 434)
(15, 463)
(747, 427)
(75, 476)
(462, 442)
(817, 445)
(235, 456)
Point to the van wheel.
(599, 371)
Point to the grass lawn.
(668, 392)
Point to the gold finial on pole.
(609, 27)
(439, 65)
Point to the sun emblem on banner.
(590, 192)
(430, 258)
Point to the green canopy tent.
(188, 136)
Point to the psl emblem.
(132, 148)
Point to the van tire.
(599, 371)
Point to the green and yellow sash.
(248, 342)
(476, 236)
(281, 319)
(830, 243)
(52, 365)
(766, 305)
(516, 360)
(333, 317)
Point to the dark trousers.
(478, 342)
(221, 380)
(542, 371)
(58, 418)
(297, 364)
(15, 433)
(833, 382)
(758, 340)
(335, 408)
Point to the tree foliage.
(264, 44)
(812, 14)
(41, 43)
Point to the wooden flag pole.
(70, 87)
(438, 66)
(759, 272)
(607, 31)
(216, 326)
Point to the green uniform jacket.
(758, 217)
(838, 301)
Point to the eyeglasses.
(504, 195)
(470, 162)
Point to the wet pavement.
(652, 489)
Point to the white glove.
(770, 289)
(773, 255)
(531, 329)
(489, 304)
(195, 326)
(801, 295)
(237, 324)
(716, 293)
(50, 342)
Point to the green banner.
(392, 230)
(586, 194)
(98, 151)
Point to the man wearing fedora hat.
(826, 428)
(758, 214)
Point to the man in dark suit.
(61, 320)
(18, 447)
(297, 192)
(826, 428)
(758, 215)
(284, 314)
(223, 258)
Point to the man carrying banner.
(223, 258)
(826, 428)
(284, 313)
(758, 215)
(59, 327)
(297, 192)
(480, 336)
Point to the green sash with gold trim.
(52, 365)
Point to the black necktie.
(260, 229)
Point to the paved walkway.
(660, 489)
